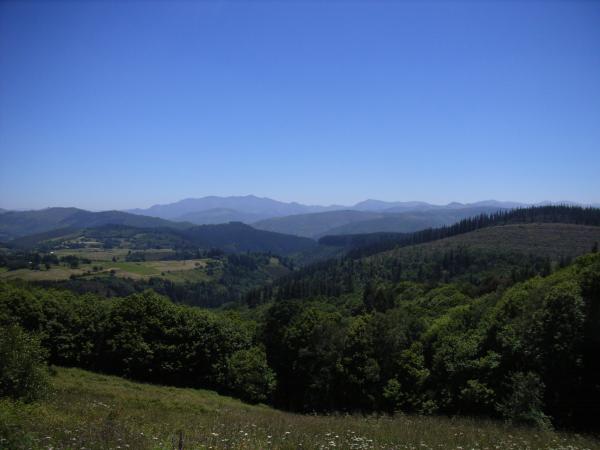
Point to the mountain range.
(251, 209)
(315, 221)
(236, 208)
(312, 221)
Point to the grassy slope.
(97, 411)
(176, 270)
(543, 239)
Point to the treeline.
(363, 245)
(142, 336)
(35, 261)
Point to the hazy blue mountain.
(249, 204)
(497, 204)
(358, 222)
(421, 206)
(396, 207)
(220, 215)
(407, 222)
(252, 209)
(15, 224)
(315, 224)
(379, 205)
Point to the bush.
(23, 373)
(249, 376)
(523, 405)
(14, 418)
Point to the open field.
(164, 269)
(92, 411)
(100, 254)
(54, 273)
(190, 270)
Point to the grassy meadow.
(85, 410)
(102, 263)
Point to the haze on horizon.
(117, 105)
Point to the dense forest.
(527, 353)
(483, 268)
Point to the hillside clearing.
(92, 411)
(552, 240)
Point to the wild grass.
(93, 411)
(95, 254)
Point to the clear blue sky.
(126, 104)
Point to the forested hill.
(369, 244)
(239, 237)
(233, 237)
(484, 252)
(15, 224)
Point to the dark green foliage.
(481, 271)
(238, 237)
(523, 404)
(26, 260)
(143, 336)
(23, 373)
(303, 344)
(249, 377)
(469, 338)
(439, 349)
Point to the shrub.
(249, 376)
(523, 404)
(14, 418)
(23, 373)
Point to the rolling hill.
(547, 240)
(251, 209)
(316, 225)
(233, 237)
(259, 208)
(407, 222)
(239, 237)
(14, 224)
(219, 215)
(504, 245)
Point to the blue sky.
(126, 104)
